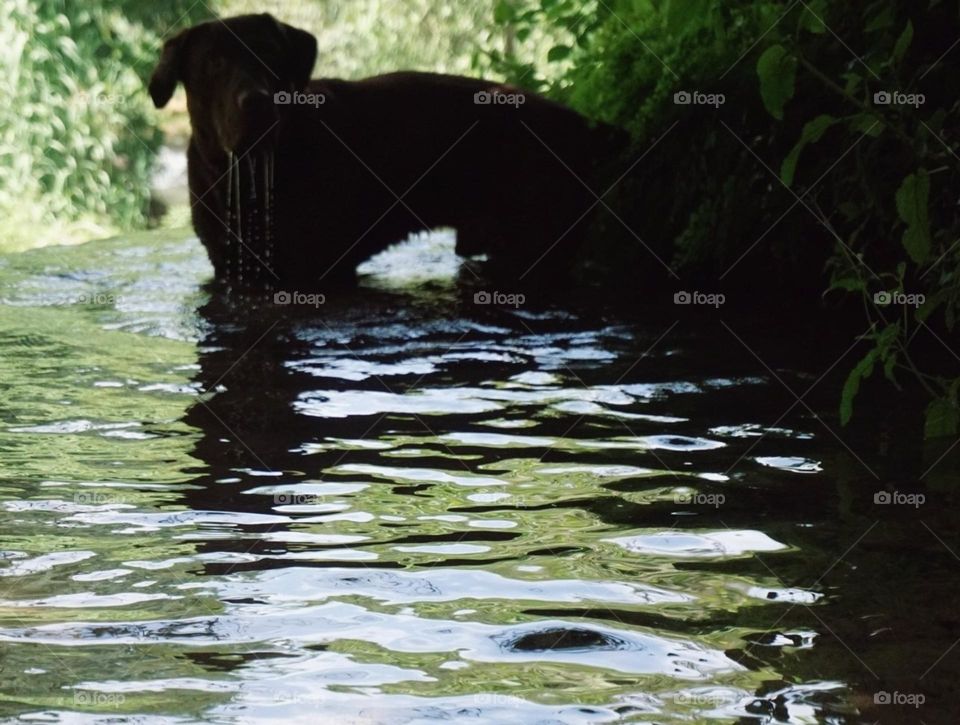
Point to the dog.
(297, 181)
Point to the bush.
(77, 140)
(851, 186)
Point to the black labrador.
(294, 181)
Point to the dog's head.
(231, 70)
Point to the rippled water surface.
(401, 506)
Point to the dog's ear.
(169, 70)
(302, 49)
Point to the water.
(401, 506)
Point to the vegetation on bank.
(77, 140)
(359, 39)
(810, 148)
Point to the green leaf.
(503, 12)
(810, 17)
(929, 306)
(887, 338)
(912, 205)
(903, 42)
(935, 121)
(852, 82)
(683, 14)
(848, 284)
(889, 364)
(866, 124)
(812, 132)
(942, 419)
(863, 369)
(777, 71)
(558, 52)
(883, 19)
(887, 350)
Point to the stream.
(402, 504)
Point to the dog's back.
(511, 171)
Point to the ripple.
(790, 463)
(656, 442)
(44, 562)
(562, 639)
(496, 440)
(686, 544)
(346, 403)
(83, 600)
(157, 521)
(790, 596)
(427, 475)
(446, 549)
(440, 585)
(753, 430)
(622, 650)
(357, 370)
(492, 537)
(636, 652)
(75, 426)
(310, 488)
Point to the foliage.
(76, 145)
(540, 38)
(358, 39)
(847, 102)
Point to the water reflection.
(403, 505)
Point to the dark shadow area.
(864, 601)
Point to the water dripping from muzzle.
(250, 220)
(268, 241)
(235, 268)
(230, 243)
(249, 265)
